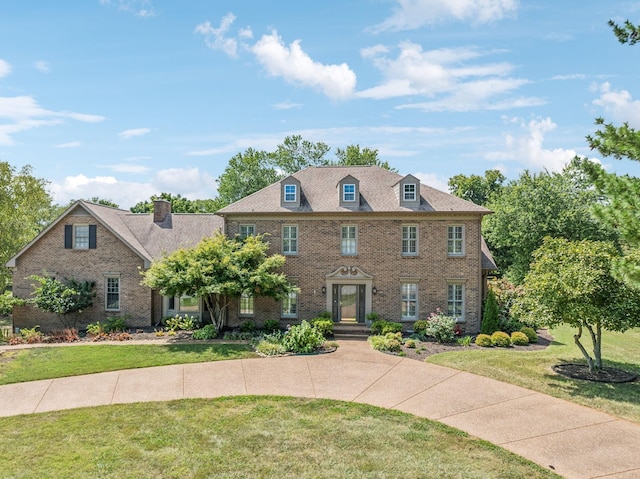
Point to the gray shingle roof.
(319, 194)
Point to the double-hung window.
(290, 193)
(246, 304)
(409, 240)
(290, 305)
(290, 239)
(112, 293)
(455, 240)
(455, 301)
(81, 237)
(409, 301)
(409, 192)
(348, 192)
(247, 230)
(348, 240)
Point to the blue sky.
(123, 99)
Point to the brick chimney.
(161, 209)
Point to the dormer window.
(290, 193)
(348, 192)
(409, 192)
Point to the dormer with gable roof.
(408, 191)
(349, 191)
(290, 192)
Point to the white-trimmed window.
(455, 301)
(409, 301)
(290, 305)
(290, 193)
(409, 240)
(81, 236)
(189, 304)
(409, 192)
(290, 239)
(455, 240)
(348, 192)
(247, 230)
(112, 293)
(246, 304)
(349, 240)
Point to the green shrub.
(410, 343)
(464, 341)
(181, 323)
(302, 338)
(500, 339)
(420, 327)
(32, 335)
(530, 332)
(441, 327)
(323, 325)
(269, 348)
(387, 342)
(248, 327)
(484, 340)
(382, 327)
(372, 316)
(7, 300)
(271, 326)
(206, 332)
(325, 314)
(236, 335)
(95, 329)
(490, 317)
(510, 325)
(116, 324)
(519, 338)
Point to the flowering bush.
(302, 338)
(441, 327)
(388, 342)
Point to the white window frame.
(80, 241)
(349, 196)
(456, 301)
(290, 239)
(290, 305)
(188, 309)
(246, 304)
(409, 243)
(348, 244)
(245, 230)
(455, 241)
(290, 193)
(108, 290)
(409, 195)
(409, 301)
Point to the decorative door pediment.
(351, 272)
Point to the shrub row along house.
(357, 239)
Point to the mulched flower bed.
(604, 375)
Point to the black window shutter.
(68, 236)
(92, 236)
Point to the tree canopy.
(218, 270)
(67, 298)
(475, 188)
(25, 209)
(179, 204)
(622, 208)
(572, 282)
(538, 205)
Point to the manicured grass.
(533, 370)
(54, 362)
(267, 437)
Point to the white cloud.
(128, 168)
(433, 180)
(42, 66)
(527, 148)
(24, 113)
(453, 78)
(216, 38)
(286, 105)
(619, 106)
(128, 134)
(70, 144)
(140, 8)
(413, 14)
(5, 68)
(296, 67)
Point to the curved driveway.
(575, 441)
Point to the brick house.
(357, 239)
(109, 246)
(360, 239)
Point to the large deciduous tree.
(179, 204)
(477, 189)
(218, 270)
(571, 282)
(538, 205)
(25, 209)
(622, 209)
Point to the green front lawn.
(267, 437)
(22, 365)
(533, 370)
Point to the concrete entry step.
(350, 330)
